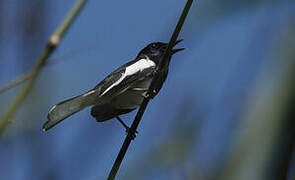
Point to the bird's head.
(156, 50)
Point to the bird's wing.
(125, 77)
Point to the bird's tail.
(68, 107)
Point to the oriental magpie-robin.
(120, 92)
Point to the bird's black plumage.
(120, 92)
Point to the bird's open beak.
(179, 49)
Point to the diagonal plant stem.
(16, 82)
(49, 48)
(29, 74)
(163, 62)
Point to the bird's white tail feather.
(68, 107)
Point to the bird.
(121, 92)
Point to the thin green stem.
(51, 45)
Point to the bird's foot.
(130, 134)
(145, 95)
(128, 130)
(149, 96)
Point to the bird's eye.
(154, 45)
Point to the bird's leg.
(126, 127)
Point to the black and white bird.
(120, 92)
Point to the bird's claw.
(149, 96)
(131, 135)
(145, 95)
(128, 130)
(153, 94)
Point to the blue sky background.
(238, 53)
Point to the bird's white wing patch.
(139, 65)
